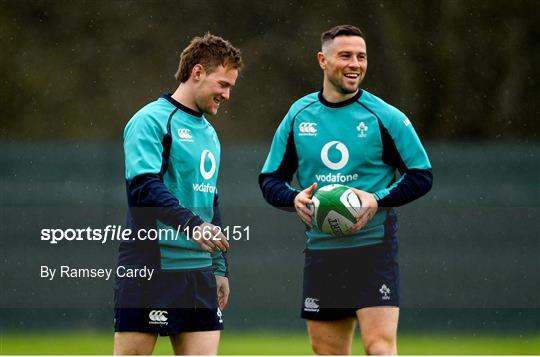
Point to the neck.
(183, 95)
(333, 96)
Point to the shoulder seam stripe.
(369, 110)
(380, 122)
(169, 120)
(291, 131)
(301, 110)
(166, 145)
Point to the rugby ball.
(335, 208)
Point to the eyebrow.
(349, 52)
(222, 82)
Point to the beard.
(340, 88)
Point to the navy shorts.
(168, 304)
(338, 282)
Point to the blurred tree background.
(460, 69)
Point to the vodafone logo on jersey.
(335, 165)
(207, 175)
(206, 155)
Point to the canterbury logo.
(311, 304)
(184, 134)
(158, 317)
(208, 174)
(344, 155)
(307, 128)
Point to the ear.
(321, 58)
(197, 71)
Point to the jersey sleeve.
(143, 145)
(219, 259)
(220, 264)
(279, 168)
(145, 141)
(403, 150)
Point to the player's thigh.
(331, 337)
(378, 327)
(134, 343)
(196, 343)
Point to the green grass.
(294, 343)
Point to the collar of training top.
(180, 106)
(340, 104)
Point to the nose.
(354, 62)
(226, 94)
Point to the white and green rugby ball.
(335, 209)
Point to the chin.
(349, 90)
(209, 110)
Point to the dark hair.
(210, 51)
(340, 30)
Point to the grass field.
(294, 343)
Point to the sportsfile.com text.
(113, 233)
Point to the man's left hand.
(368, 210)
(222, 291)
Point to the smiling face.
(344, 62)
(211, 89)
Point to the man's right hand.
(210, 238)
(300, 204)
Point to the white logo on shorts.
(311, 304)
(158, 317)
(384, 290)
(220, 315)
